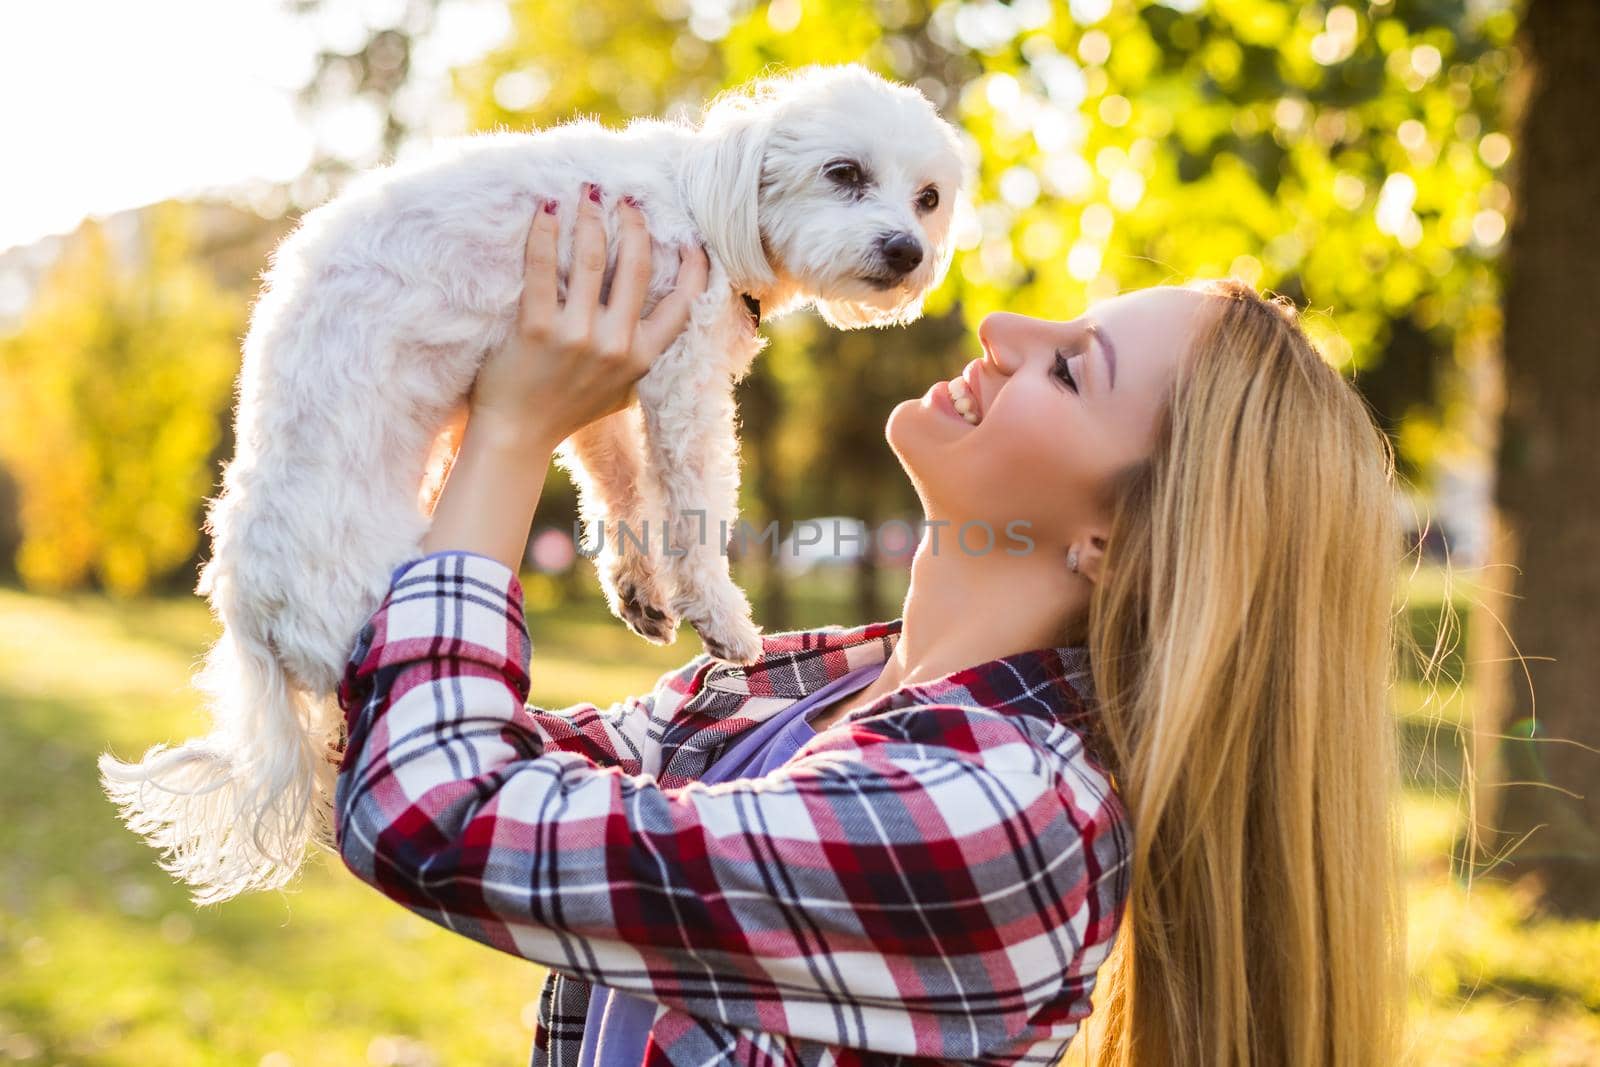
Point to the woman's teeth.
(962, 397)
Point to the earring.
(1072, 560)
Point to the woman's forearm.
(491, 493)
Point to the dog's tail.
(234, 810)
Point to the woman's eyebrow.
(1107, 350)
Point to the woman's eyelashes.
(1061, 370)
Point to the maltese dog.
(829, 187)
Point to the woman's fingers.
(538, 304)
(588, 265)
(672, 314)
(632, 279)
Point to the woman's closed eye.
(1061, 370)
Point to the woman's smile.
(967, 393)
(960, 397)
(940, 397)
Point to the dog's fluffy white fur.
(374, 317)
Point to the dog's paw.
(636, 608)
(739, 642)
(720, 613)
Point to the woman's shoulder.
(1058, 752)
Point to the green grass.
(102, 958)
(1492, 983)
(104, 962)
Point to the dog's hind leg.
(687, 399)
(606, 461)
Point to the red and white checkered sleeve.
(621, 734)
(878, 891)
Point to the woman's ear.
(1089, 553)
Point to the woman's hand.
(566, 364)
(562, 367)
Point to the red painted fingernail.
(550, 207)
(630, 201)
(594, 192)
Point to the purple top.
(618, 1024)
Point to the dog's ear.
(723, 184)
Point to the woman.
(901, 842)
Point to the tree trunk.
(760, 410)
(10, 526)
(869, 605)
(1548, 476)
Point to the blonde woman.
(1139, 682)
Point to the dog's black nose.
(901, 251)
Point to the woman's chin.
(918, 433)
(909, 423)
(902, 432)
(930, 415)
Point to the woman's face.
(1061, 408)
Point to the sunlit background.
(1369, 159)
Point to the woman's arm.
(491, 493)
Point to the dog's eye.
(929, 198)
(844, 172)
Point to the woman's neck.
(961, 610)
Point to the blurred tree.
(861, 377)
(760, 415)
(609, 60)
(110, 412)
(1343, 154)
(362, 81)
(1542, 797)
(10, 530)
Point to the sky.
(112, 104)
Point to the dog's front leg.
(606, 462)
(687, 399)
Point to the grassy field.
(104, 962)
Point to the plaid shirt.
(936, 877)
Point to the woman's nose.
(999, 334)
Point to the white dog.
(830, 187)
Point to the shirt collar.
(1054, 683)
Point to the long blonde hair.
(1242, 642)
